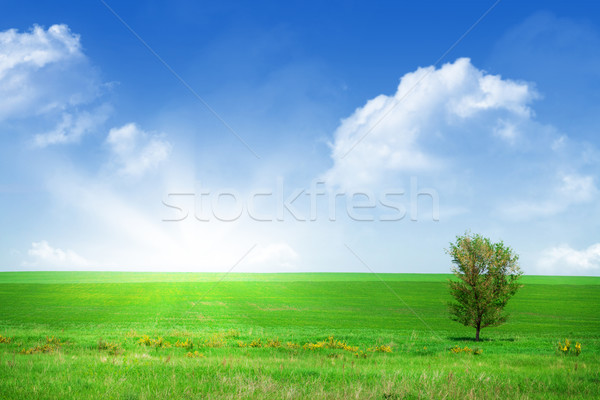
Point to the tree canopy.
(486, 277)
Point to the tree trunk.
(477, 329)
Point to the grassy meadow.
(119, 335)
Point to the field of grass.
(78, 335)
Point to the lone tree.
(487, 275)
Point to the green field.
(98, 318)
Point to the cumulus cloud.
(564, 259)
(43, 70)
(37, 48)
(487, 92)
(386, 134)
(43, 255)
(135, 151)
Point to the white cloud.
(72, 127)
(384, 135)
(491, 92)
(43, 70)
(576, 189)
(135, 151)
(37, 48)
(564, 259)
(507, 130)
(43, 256)
(273, 255)
(571, 189)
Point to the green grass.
(406, 311)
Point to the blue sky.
(112, 160)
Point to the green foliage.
(487, 277)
